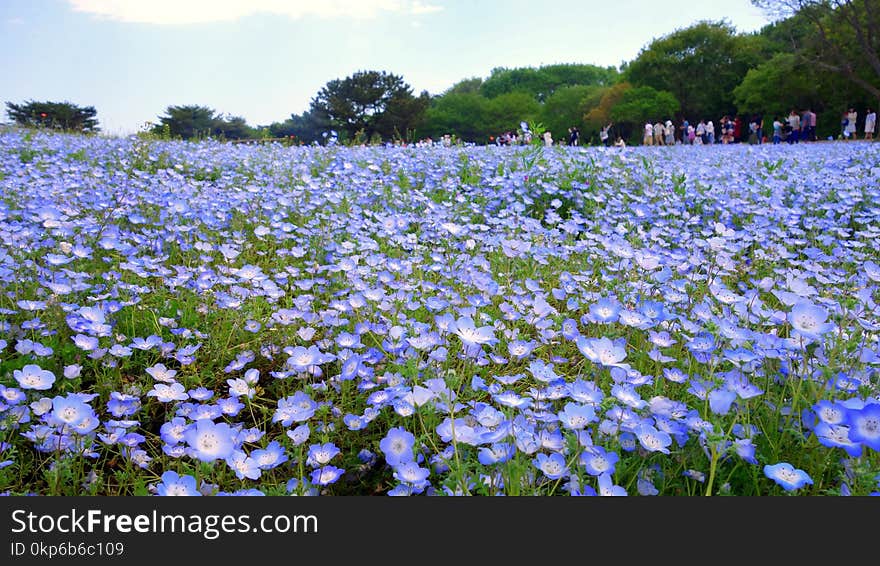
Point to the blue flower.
(168, 393)
(397, 446)
(270, 457)
(603, 351)
(575, 416)
(33, 376)
(607, 487)
(297, 408)
(321, 454)
(808, 320)
(210, 441)
(605, 311)
(597, 461)
(300, 434)
(411, 473)
(552, 466)
(173, 484)
(326, 475)
(653, 440)
(243, 466)
(786, 476)
(864, 425)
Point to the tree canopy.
(543, 81)
(194, 121)
(700, 65)
(370, 103)
(838, 36)
(56, 115)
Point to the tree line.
(818, 54)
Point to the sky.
(265, 59)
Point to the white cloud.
(204, 11)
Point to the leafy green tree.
(543, 81)
(56, 115)
(838, 36)
(642, 104)
(306, 128)
(232, 128)
(567, 106)
(193, 121)
(506, 111)
(188, 121)
(787, 82)
(465, 86)
(700, 65)
(775, 87)
(599, 115)
(462, 114)
(370, 103)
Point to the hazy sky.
(265, 59)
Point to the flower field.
(218, 319)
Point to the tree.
(370, 103)
(700, 65)
(643, 104)
(193, 121)
(188, 121)
(542, 82)
(56, 115)
(843, 36)
(306, 127)
(567, 106)
(600, 115)
(775, 87)
(506, 111)
(465, 86)
(462, 114)
(232, 128)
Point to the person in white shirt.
(710, 132)
(870, 123)
(548, 138)
(648, 138)
(658, 133)
(852, 116)
(604, 136)
(669, 130)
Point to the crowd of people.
(796, 127)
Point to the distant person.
(648, 138)
(870, 124)
(684, 131)
(794, 124)
(844, 126)
(548, 138)
(605, 136)
(700, 132)
(659, 130)
(669, 132)
(574, 136)
(852, 116)
(691, 134)
(737, 129)
(620, 143)
(777, 131)
(810, 127)
(710, 132)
